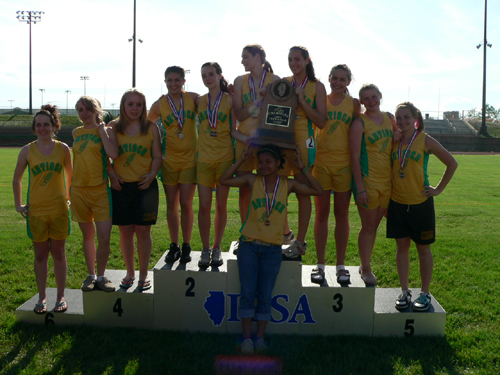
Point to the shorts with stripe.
(43, 227)
(91, 203)
(208, 174)
(333, 178)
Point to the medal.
(179, 115)
(251, 84)
(213, 113)
(270, 205)
(180, 135)
(303, 84)
(405, 155)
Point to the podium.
(185, 297)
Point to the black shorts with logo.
(417, 221)
(132, 205)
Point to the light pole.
(84, 79)
(482, 129)
(11, 100)
(67, 92)
(42, 91)
(133, 52)
(29, 16)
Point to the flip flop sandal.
(318, 276)
(127, 283)
(144, 285)
(40, 308)
(343, 277)
(61, 307)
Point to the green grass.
(465, 282)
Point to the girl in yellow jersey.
(177, 113)
(133, 180)
(247, 100)
(215, 156)
(333, 171)
(370, 139)
(259, 251)
(410, 216)
(46, 210)
(93, 144)
(311, 112)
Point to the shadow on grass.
(92, 350)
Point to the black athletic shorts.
(134, 206)
(417, 221)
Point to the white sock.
(340, 267)
(99, 278)
(92, 276)
(321, 266)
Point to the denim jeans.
(259, 266)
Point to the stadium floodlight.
(67, 92)
(30, 16)
(133, 39)
(42, 91)
(482, 129)
(84, 79)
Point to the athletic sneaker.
(318, 276)
(423, 302)
(186, 253)
(247, 346)
(404, 300)
(205, 258)
(173, 254)
(295, 249)
(216, 257)
(88, 284)
(288, 238)
(105, 285)
(260, 344)
(235, 248)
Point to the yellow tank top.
(134, 155)
(249, 126)
(254, 227)
(47, 186)
(177, 151)
(303, 127)
(333, 140)
(216, 145)
(89, 158)
(376, 147)
(408, 190)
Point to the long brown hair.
(256, 49)
(309, 67)
(51, 111)
(123, 120)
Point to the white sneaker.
(288, 238)
(247, 346)
(260, 344)
(295, 249)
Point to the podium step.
(388, 321)
(122, 308)
(192, 298)
(72, 316)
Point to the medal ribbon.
(269, 208)
(251, 84)
(303, 84)
(403, 160)
(179, 115)
(212, 114)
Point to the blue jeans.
(259, 266)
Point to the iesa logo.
(215, 306)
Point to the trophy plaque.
(278, 115)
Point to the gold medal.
(213, 134)
(267, 223)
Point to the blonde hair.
(93, 105)
(123, 120)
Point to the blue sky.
(423, 51)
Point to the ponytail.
(419, 122)
(309, 67)
(51, 111)
(223, 82)
(255, 49)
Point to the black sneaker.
(173, 254)
(186, 251)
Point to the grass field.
(465, 282)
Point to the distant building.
(452, 115)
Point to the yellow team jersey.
(134, 155)
(89, 158)
(408, 190)
(333, 140)
(303, 127)
(376, 147)
(249, 126)
(179, 152)
(47, 187)
(216, 145)
(254, 227)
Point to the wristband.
(361, 192)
